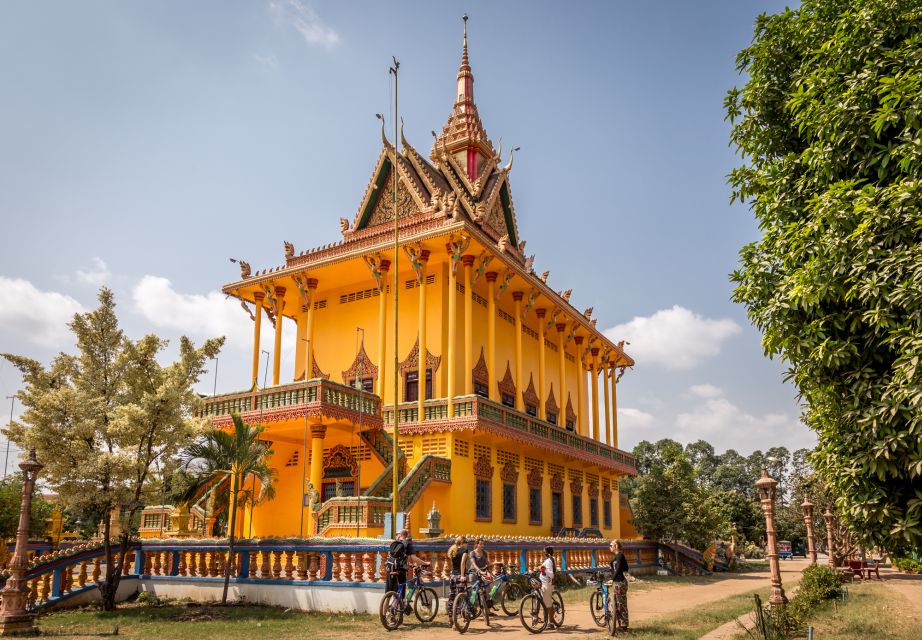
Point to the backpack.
(397, 556)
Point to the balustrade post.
(276, 564)
(327, 565)
(56, 583)
(313, 566)
(366, 568)
(45, 589)
(563, 559)
(289, 565)
(156, 564)
(97, 569)
(139, 561)
(212, 569)
(302, 565)
(81, 577)
(252, 562)
(190, 568)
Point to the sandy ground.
(909, 586)
(661, 599)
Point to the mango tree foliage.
(829, 128)
(103, 420)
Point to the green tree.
(102, 419)
(11, 502)
(238, 459)
(829, 128)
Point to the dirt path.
(644, 604)
(909, 586)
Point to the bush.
(909, 565)
(820, 583)
(754, 552)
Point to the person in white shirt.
(548, 569)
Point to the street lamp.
(14, 619)
(830, 547)
(766, 486)
(308, 366)
(807, 507)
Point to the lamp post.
(766, 486)
(6, 459)
(307, 367)
(14, 619)
(807, 507)
(830, 547)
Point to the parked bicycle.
(599, 603)
(534, 615)
(469, 604)
(410, 596)
(505, 591)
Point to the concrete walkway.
(644, 604)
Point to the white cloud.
(200, 316)
(305, 21)
(268, 62)
(97, 275)
(675, 338)
(725, 425)
(705, 391)
(630, 418)
(39, 316)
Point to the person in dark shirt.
(456, 554)
(618, 592)
(400, 555)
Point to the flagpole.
(395, 462)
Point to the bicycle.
(507, 591)
(599, 603)
(423, 601)
(469, 604)
(533, 614)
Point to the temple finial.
(465, 70)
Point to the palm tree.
(238, 457)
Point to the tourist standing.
(399, 556)
(618, 593)
(547, 570)
(456, 554)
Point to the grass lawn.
(179, 621)
(871, 611)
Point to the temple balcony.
(318, 399)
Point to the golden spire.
(465, 70)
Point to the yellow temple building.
(506, 395)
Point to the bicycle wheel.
(426, 604)
(510, 598)
(461, 612)
(597, 608)
(533, 613)
(556, 616)
(485, 606)
(610, 619)
(391, 611)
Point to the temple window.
(552, 418)
(557, 511)
(606, 506)
(482, 499)
(509, 511)
(570, 425)
(534, 506)
(481, 390)
(531, 410)
(508, 400)
(411, 388)
(368, 384)
(577, 511)
(593, 512)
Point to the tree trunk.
(231, 529)
(109, 585)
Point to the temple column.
(593, 376)
(452, 330)
(542, 394)
(382, 327)
(309, 354)
(421, 367)
(468, 262)
(304, 353)
(582, 424)
(562, 373)
(605, 374)
(258, 296)
(318, 434)
(491, 335)
(279, 321)
(519, 382)
(614, 410)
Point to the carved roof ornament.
(482, 468)
(509, 473)
(345, 226)
(414, 251)
(480, 373)
(377, 265)
(552, 320)
(503, 243)
(544, 276)
(384, 207)
(621, 371)
(245, 271)
(289, 249)
(588, 312)
(306, 287)
(550, 405)
(522, 246)
(362, 367)
(529, 303)
(411, 362)
(504, 281)
(456, 247)
(566, 295)
(535, 478)
(593, 489)
(556, 483)
(507, 384)
(571, 415)
(572, 333)
(483, 260)
(531, 396)
(530, 264)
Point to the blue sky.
(142, 144)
